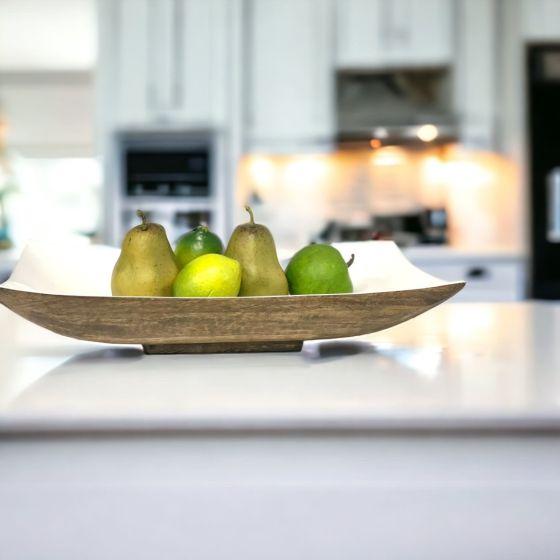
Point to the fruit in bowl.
(252, 245)
(147, 265)
(319, 269)
(200, 241)
(209, 275)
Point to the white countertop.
(460, 366)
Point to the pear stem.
(142, 216)
(249, 209)
(351, 261)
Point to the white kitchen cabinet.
(475, 73)
(540, 20)
(485, 281)
(490, 276)
(376, 34)
(164, 36)
(169, 62)
(359, 41)
(204, 61)
(290, 79)
(125, 25)
(390, 495)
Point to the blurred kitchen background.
(431, 122)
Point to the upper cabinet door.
(541, 19)
(475, 72)
(141, 71)
(290, 73)
(203, 60)
(171, 60)
(419, 31)
(359, 33)
(125, 24)
(188, 68)
(375, 34)
(163, 46)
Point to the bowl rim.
(459, 283)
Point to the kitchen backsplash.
(299, 194)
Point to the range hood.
(410, 107)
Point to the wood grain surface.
(195, 321)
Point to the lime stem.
(351, 261)
(142, 216)
(249, 209)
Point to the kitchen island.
(437, 438)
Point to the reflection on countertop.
(458, 366)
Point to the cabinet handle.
(477, 273)
(553, 205)
(178, 47)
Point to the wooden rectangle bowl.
(206, 325)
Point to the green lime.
(209, 276)
(318, 269)
(199, 241)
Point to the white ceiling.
(44, 35)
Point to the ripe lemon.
(209, 275)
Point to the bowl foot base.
(224, 347)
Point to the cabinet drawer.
(485, 281)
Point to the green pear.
(146, 265)
(252, 246)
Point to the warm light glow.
(472, 323)
(459, 170)
(380, 132)
(468, 173)
(427, 132)
(433, 181)
(481, 184)
(433, 169)
(389, 156)
(375, 143)
(261, 171)
(385, 181)
(305, 171)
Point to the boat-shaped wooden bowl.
(250, 324)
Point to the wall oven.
(176, 177)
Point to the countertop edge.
(382, 426)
